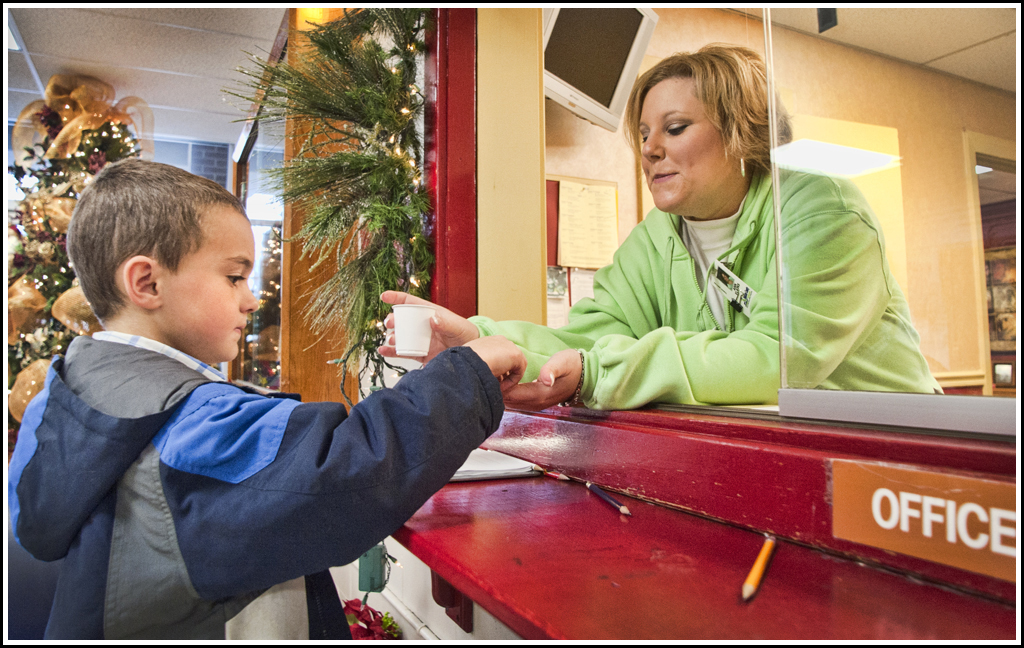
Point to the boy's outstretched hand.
(556, 383)
(448, 328)
(505, 359)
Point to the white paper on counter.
(488, 464)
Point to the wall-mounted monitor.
(591, 58)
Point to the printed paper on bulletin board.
(588, 230)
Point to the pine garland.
(357, 178)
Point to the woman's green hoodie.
(650, 336)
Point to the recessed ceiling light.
(978, 169)
(823, 158)
(12, 42)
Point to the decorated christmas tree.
(261, 365)
(59, 144)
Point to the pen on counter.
(552, 475)
(757, 571)
(596, 490)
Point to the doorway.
(997, 197)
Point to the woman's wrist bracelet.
(575, 399)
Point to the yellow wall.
(511, 230)
(883, 189)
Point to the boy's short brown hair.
(135, 207)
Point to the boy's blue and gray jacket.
(175, 500)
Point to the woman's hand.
(555, 384)
(448, 328)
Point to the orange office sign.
(949, 519)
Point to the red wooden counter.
(553, 561)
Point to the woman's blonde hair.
(731, 83)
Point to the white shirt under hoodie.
(706, 240)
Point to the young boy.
(174, 497)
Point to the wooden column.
(304, 355)
(450, 156)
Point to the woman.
(688, 310)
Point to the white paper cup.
(412, 329)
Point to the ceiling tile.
(177, 60)
(86, 36)
(250, 23)
(17, 100)
(196, 93)
(179, 124)
(18, 76)
(912, 34)
(993, 63)
(202, 99)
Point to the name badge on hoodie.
(737, 293)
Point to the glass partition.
(896, 199)
(894, 183)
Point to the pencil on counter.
(596, 490)
(757, 571)
(552, 475)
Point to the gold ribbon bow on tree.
(42, 206)
(82, 103)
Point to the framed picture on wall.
(1004, 374)
(1001, 274)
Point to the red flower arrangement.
(366, 623)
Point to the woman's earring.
(743, 169)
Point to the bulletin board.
(582, 227)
